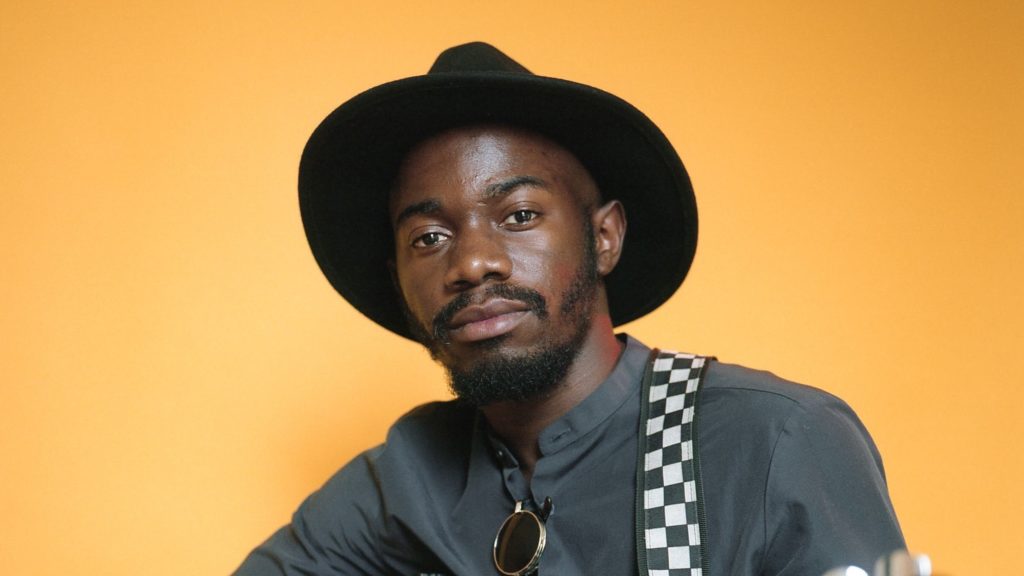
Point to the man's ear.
(609, 222)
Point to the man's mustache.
(538, 305)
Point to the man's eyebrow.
(506, 186)
(429, 206)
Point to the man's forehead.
(493, 159)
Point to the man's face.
(495, 258)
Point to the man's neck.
(519, 424)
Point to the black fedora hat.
(352, 158)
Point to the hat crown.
(475, 57)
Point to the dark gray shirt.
(792, 485)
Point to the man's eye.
(521, 217)
(429, 239)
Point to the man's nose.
(478, 255)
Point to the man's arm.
(332, 532)
(826, 503)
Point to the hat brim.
(351, 160)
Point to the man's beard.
(502, 377)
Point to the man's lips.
(488, 320)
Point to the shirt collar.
(622, 383)
(491, 464)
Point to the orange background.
(177, 375)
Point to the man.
(482, 210)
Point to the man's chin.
(500, 375)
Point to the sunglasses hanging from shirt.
(521, 540)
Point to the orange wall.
(175, 374)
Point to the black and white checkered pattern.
(672, 525)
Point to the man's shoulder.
(429, 431)
(738, 402)
(740, 386)
(429, 438)
(440, 417)
(744, 403)
(762, 387)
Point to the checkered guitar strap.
(669, 512)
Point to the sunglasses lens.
(519, 543)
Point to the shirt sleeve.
(332, 532)
(826, 502)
